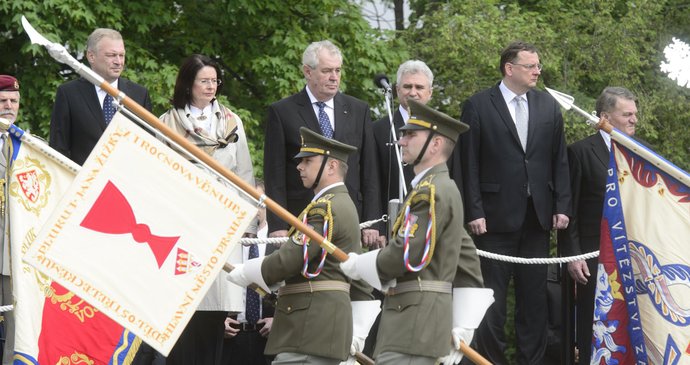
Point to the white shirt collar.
(313, 100)
(607, 139)
(509, 95)
(101, 93)
(404, 113)
(324, 190)
(419, 177)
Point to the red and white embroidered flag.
(52, 324)
(141, 233)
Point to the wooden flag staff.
(60, 54)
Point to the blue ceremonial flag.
(642, 300)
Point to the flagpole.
(6, 125)
(60, 54)
(645, 153)
(567, 102)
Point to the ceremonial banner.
(53, 326)
(642, 300)
(141, 233)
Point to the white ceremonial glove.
(363, 267)
(364, 315)
(459, 335)
(238, 277)
(248, 273)
(469, 307)
(349, 267)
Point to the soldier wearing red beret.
(9, 107)
(9, 97)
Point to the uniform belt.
(313, 286)
(421, 285)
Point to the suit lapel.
(398, 120)
(502, 108)
(342, 117)
(88, 92)
(306, 111)
(600, 150)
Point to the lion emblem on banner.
(30, 184)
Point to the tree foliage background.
(585, 45)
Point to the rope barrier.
(485, 254)
(6, 308)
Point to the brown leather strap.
(314, 286)
(421, 285)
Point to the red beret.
(8, 83)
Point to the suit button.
(399, 307)
(289, 308)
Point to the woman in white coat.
(197, 115)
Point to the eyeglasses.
(207, 82)
(530, 66)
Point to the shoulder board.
(325, 198)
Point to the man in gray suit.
(516, 189)
(9, 108)
(81, 111)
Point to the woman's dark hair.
(185, 78)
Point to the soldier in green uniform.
(313, 317)
(428, 255)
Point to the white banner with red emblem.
(141, 233)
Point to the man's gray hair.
(310, 57)
(413, 67)
(98, 34)
(606, 102)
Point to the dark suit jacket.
(588, 160)
(77, 121)
(497, 170)
(282, 142)
(388, 161)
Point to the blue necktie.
(108, 108)
(253, 299)
(324, 122)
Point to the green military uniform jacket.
(419, 323)
(318, 323)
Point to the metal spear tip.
(566, 101)
(56, 50)
(34, 35)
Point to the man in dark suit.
(516, 190)
(79, 113)
(589, 160)
(323, 109)
(414, 81)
